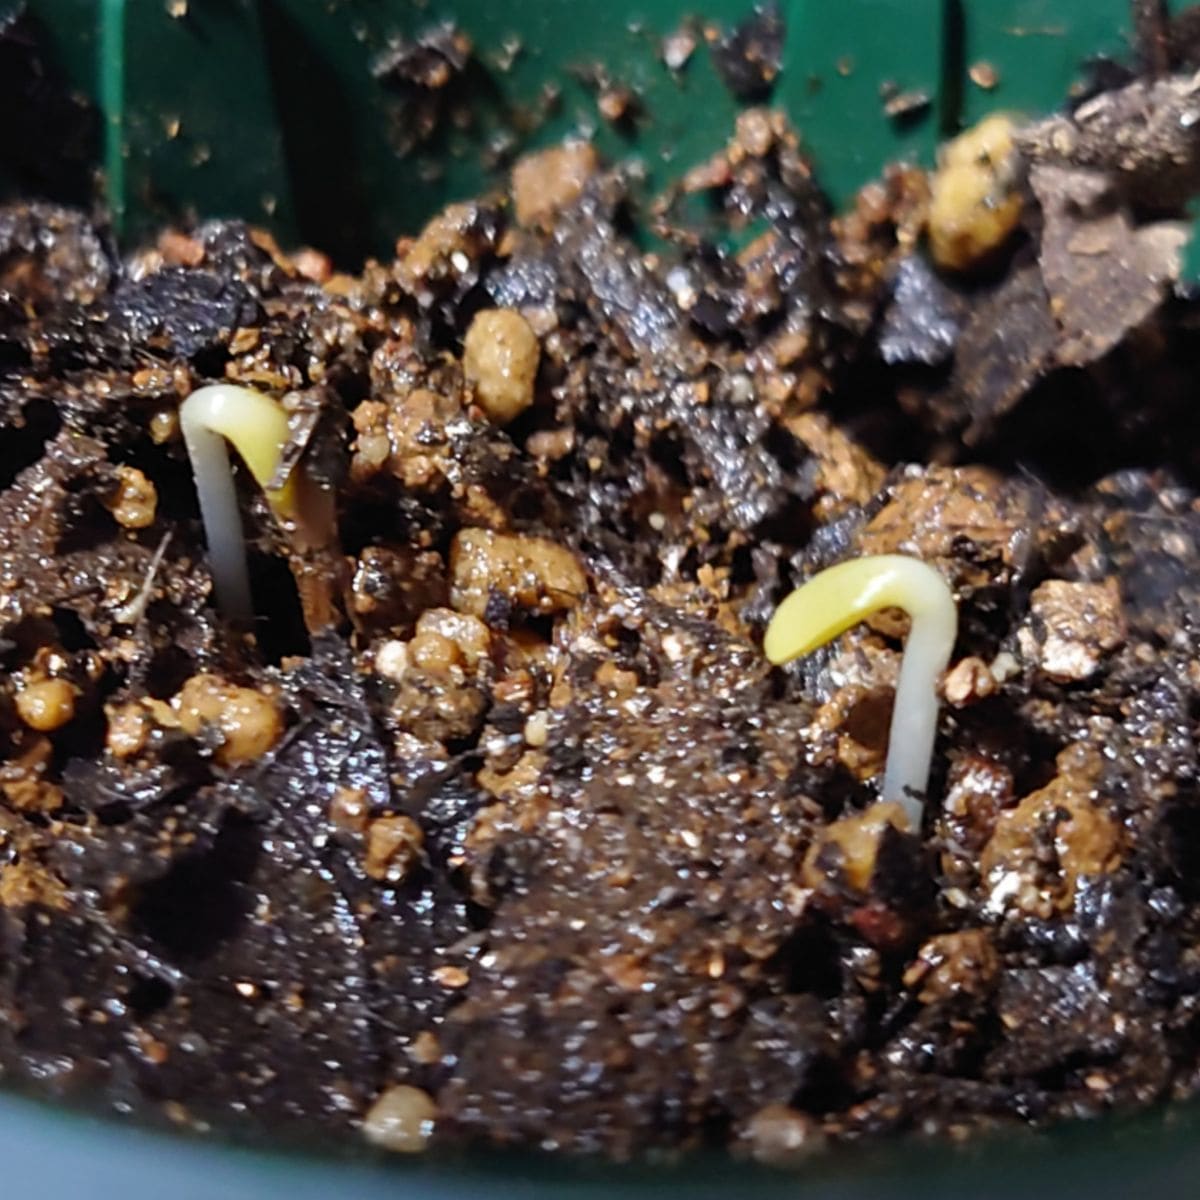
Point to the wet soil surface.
(515, 835)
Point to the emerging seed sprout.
(257, 427)
(831, 602)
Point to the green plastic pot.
(271, 110)
(51, 1154)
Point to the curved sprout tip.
(257, 427)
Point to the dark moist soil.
(530, 825)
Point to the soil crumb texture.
(495, 827)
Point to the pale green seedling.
(842, 596)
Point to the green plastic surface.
(840, 57)
(1037, 49)
(270, 109)
(191, 110)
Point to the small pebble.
(532, 573)
(550, 180)
(164, 426)
(128, 727)
(677, 48)
(537, 728)
(350, 809)
(46, 704)
(500, 357)
(471, 638)
(975, 204)
(248, 721)
(451, 977)
(402, 1120)
(984, 75)
(393, 848)
(968, 681)
(782, 1136)
(136, 499)
(1072, 628)
(433, 653)
(755, 132)
(425, 1049)
(391, 660)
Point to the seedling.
(838, 598)
(257, 427)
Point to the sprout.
(831, 602)
(257, 427)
